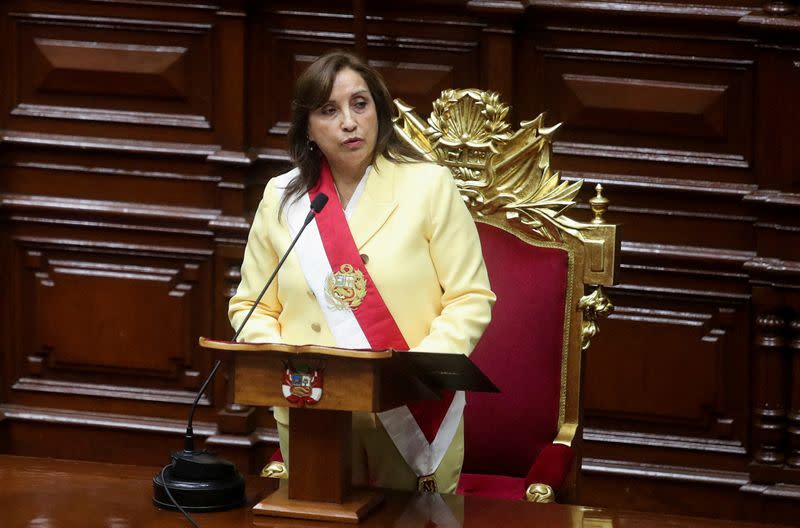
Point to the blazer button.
(316, 327)
(364, 258)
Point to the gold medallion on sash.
(427, 483)
(345, 289)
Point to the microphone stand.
(199, 480)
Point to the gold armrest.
(540, 493)
(275, 470)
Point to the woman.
(393, 261)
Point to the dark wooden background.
(136, 137)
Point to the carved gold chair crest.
(524, 441)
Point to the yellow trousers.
(378, 463)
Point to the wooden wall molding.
(773, 197)
(115, 248)
(634, 57)
(104, 420)
(107, 144)
(704, 189)
(115, 171)
(635, 290)
(108, 22)
(688, 443)
(110, 116)
(783, 491)
(120, 215)
(778, 268)
(763, 20)
(650, 155)
(665, 253)
(665, 472)
(675, 10)
(101, 391)
(500, 7)
(229, 229)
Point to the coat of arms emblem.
(302, 386)
(346, 288)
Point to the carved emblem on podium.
(302, 386)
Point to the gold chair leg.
(540, 493)
(275, 470)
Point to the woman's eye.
(327, 110)
(360, 105)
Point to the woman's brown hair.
(312, 90)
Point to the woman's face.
(346, 127)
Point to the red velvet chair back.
(522, 351)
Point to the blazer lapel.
(376, 204)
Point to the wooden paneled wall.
(136, 137)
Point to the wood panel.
(136, 137)
(78, 302)
(691, 376)
(78, 71)
(123, 170)
(657, 388)
(627, 97)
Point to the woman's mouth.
(353, 142)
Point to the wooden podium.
(352, 380)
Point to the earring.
(311, 145)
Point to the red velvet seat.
(522, 351)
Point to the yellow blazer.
(421, 249)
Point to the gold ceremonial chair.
(523, 442)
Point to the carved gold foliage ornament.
(594, 306)
(499, 172)
(469, 117)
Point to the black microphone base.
(199, 482)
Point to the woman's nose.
(348, 123)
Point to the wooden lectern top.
(352, 380)
(348, 380)
(295, 349)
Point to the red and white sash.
(422, 431)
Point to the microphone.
(317, 204)
(198, 480)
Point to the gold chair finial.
(599, 205)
